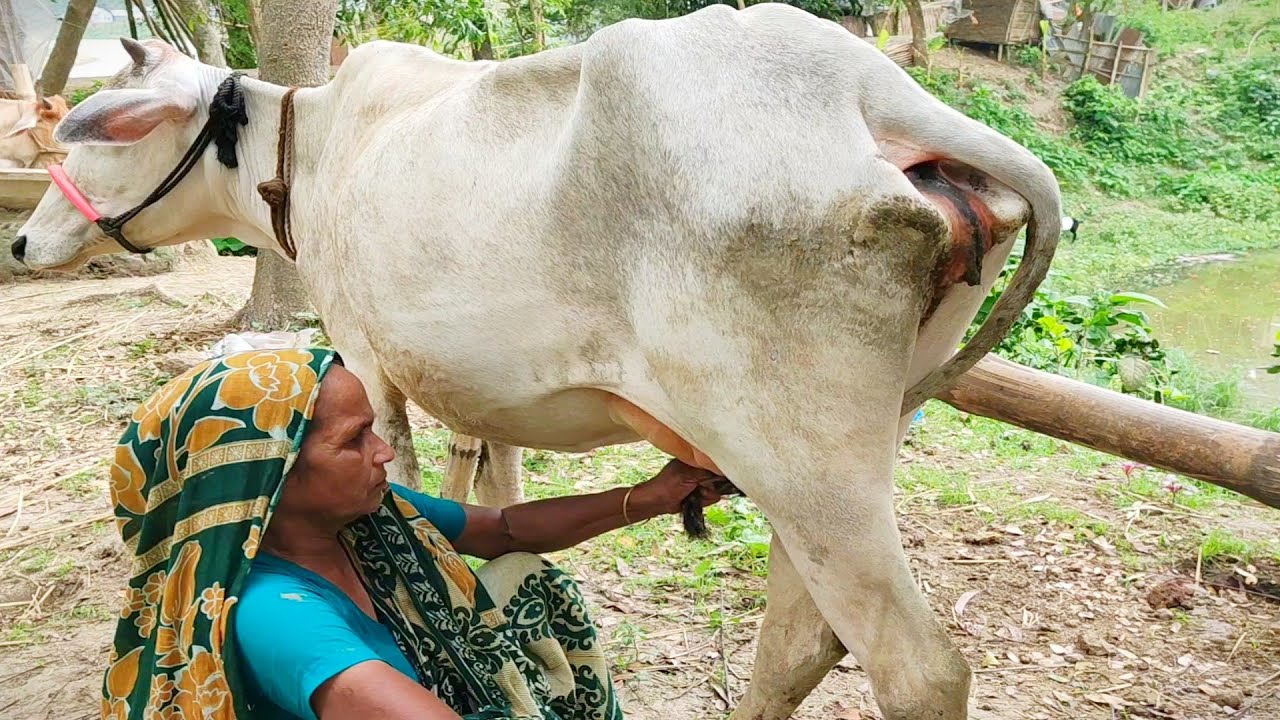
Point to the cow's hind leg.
(797, 647)
(460, 467)
(493, 469)
(844, 543)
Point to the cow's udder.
(661, 436)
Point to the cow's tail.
(901, 111)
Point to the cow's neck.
(257, 149)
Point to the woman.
(277, 575)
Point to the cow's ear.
(27, 120)
(123, 117)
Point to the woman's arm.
(544, 526)
(373, 690)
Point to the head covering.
(196, 476)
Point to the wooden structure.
(898, 24)
(999, 23)
(22, 188)
(1126, 61)
(1232, 456)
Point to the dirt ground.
(1044, 566)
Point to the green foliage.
(75, 97)
(1118, 128)
(240, 51)
(1247, 107)
(1104, 338)
(1241, 196)
(1275, 353)
(1028, 56)
(446, 26)
(1226, 29)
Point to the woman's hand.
(663, 493)
(544, 526)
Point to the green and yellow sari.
(195, 479)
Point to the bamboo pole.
(1146, 72)
(1232, 456)
(1115, 64)
(1088, 52)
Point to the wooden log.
(1232, 456)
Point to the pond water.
(1225, 315)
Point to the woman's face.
(340, 473)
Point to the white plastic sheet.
(240, 342)
(27, 31)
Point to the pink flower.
(1173, 486)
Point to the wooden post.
(1228, 455)
(1088, 53)
(1146, 72)
(1115, 64)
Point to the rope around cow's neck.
(276, 190)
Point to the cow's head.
(123, 141)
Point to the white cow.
(744, 235)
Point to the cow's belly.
(570, 420)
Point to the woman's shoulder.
(278, 591)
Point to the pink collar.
(72, 193)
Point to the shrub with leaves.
(1104, 338)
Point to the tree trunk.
(1228, 455)
(919, 41)
(206, 33)
(539, 29)
(254, 9)
(63, 55)
(277, 296)
(293, 49)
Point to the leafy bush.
(1241, 196)
(1119, 128)
(1029, 56)
(75, 97)
(1103, 338)
(1251, 92)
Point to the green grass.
(22, 632)
(1218, 543)
(81, 484)
(37, 560)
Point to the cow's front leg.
(797, 647)
(498, 478)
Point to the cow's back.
(564, 198)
